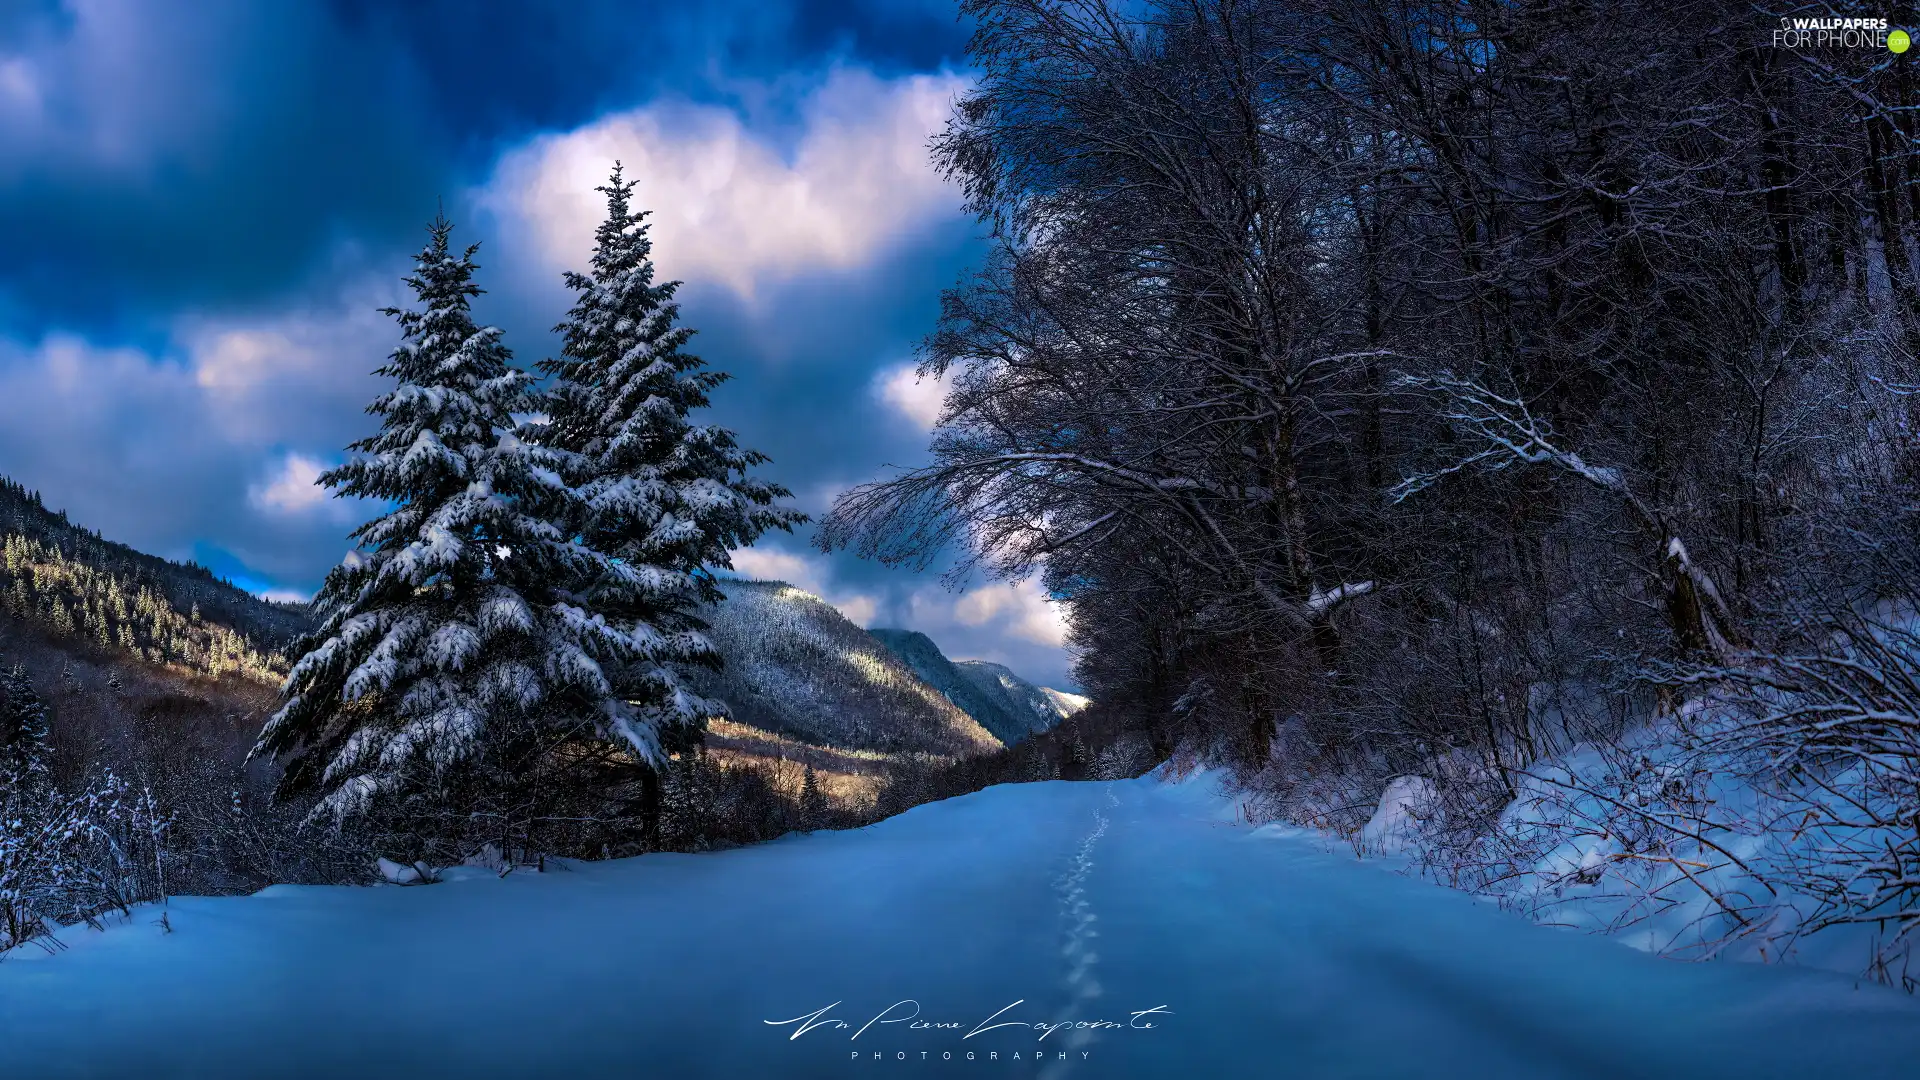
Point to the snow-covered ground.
(1250, 952)
(1668, 849)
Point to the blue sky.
(203, 204)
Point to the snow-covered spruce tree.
(449, 638)
(661, 497)
(26, 802)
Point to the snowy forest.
(1485, 434)
(1420, 390)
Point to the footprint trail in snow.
(1083, 988)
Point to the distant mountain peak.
(796, 666)
(1004, 703)
(1067, 704)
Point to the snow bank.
(1396, 824)
(1648, 840)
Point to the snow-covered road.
(1211, 949)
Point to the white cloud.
(769, 564)
(19, 87)
(920, 400)
(817, 499)
(292, 376)
(810, 574)
(286, 596)
(94, 429)
(294, 488)
(1022, 610)
(153, 447)
(728, 205)
(859, 610)
(235, 359)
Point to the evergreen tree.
(23, 724)
(26, 799)
(686, 803)
(663, 498)
(448, 637)
(813, 802)
(1076, 760)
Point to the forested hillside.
(80, 587)
(796, 666)
(135, 659)
(1037, 707)
(1004, 703)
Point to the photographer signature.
(908, 1012)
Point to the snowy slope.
(1049, 902)
(1038, 706)
(1064, 703)
(1576, 849)
(995, 711)
(796, 666)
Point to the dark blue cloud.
(889, 35)
(214, 153)
(500, 68)
(195, 155)
(202, 207)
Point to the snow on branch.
(1505, 423)
(1513, 434)
(1320, 604)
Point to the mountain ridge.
(1042, 706)
(186, 586)
(795, 666)
(921, 654)
(1004, 702)
(106, 630)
